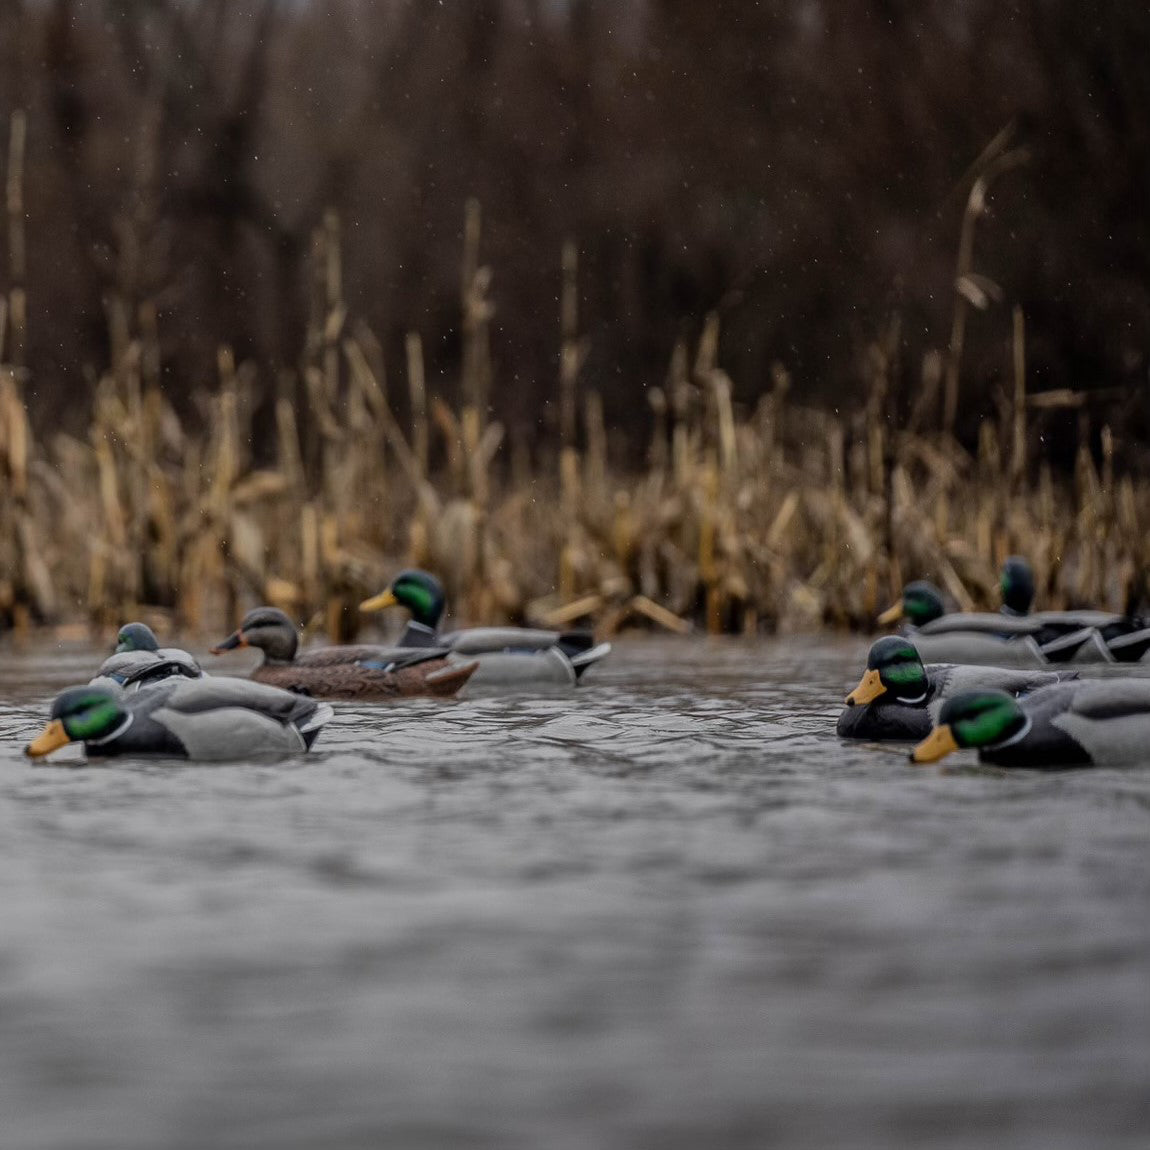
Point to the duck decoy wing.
(1110, 718)
(589, 658)
(220, 719)
(184, 658)
(979, 649)
(1130, 648)
(530, 669)
(477, 640)
(201, 696)
(1020, 681)
(1100, 699)
(981, 623)
(578, 648)
(133, 670)
(1072, 620)
(1085, 645)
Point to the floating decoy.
(133, 670)
(352, 672)
(139, 637)
(977, 637)
(1104, 722)
(1127, 637)
(899, 697)
(998, 638)
(208, 719)
(507, 656)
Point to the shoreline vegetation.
(782, 518)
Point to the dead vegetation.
(785, 518)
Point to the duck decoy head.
(972, 719)
(894, 673)
(1017, 585)
(421, 593)
(136, 637)
(267, 628)
(921, 603)
(82, 714)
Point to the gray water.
(669, 910)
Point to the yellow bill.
(52, 738)
(892, 614)
(870, 688)
(379, 602)
(937, 745)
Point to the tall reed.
(778, 516)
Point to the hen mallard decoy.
(899, 697)
(355, 672)
(507, 656)
(208, 719)
(1098, 723)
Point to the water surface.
(669, 910)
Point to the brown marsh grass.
(784, 517)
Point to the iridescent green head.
(421, 593)
(136, 637)
(82, 714)
(1017, 585)
(921, 603)
(972, 719)
(894, 674)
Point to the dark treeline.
(802, 166)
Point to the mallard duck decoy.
(139, 637)
(1104, 722)
(993, 638)
(507, 656)
(978, 637)
(133, 670)
(208, 719)
(899, 697)
(1127, 637)
(356, 672)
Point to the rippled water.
(670, 910)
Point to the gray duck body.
(1105, 722)
(514, 656)
(214, 719)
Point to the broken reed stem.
(975, 204)
(964, 264)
